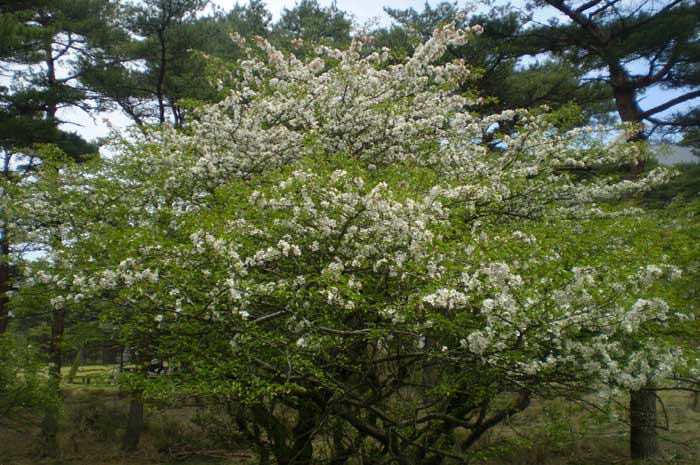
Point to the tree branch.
(671, 103)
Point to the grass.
(562, 433)
(93, 424)
(549, 433)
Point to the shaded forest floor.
(550, 433)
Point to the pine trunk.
(48, 436)
(625, 95)
(4, 281)
(644, 442)
(135, 424)
(49, 424)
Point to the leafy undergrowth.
(549, 433)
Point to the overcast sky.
(363, 10)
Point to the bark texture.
(644, 442)
(135, 424)
(49, 424)
(4, 282)
(625, 94)
(48, 436)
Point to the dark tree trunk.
(290, 446)
(49, 434)
(122, 357)
(52, 97)
(160, 87)
(135, 424)
(625, 95)
(627, 107)
(49, 424)
(643, 439)
(304, 431)
(4, 281)
(4, 261)
(644, 442)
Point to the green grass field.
(90, 376)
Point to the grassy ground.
(93, 423)
(89, 377)
(560, 433)
(550, 433)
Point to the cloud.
(362, 10)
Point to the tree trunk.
(75, 366)
(48, 437)
(135, 424)
(628, 109)
(694, 403)
(4, 281)
(160, 87)
(643, 439)
(5, 255)
(303, 432)
(290, 446)
(49, 424)
(644, 442)
(52, 97)
(625, 95)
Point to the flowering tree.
(332, 248)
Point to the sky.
(363, 10)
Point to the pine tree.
(508, 76)
(48, 41)
(312, 25)
(632, 47)
(156, 68)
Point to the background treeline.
(151, 59)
